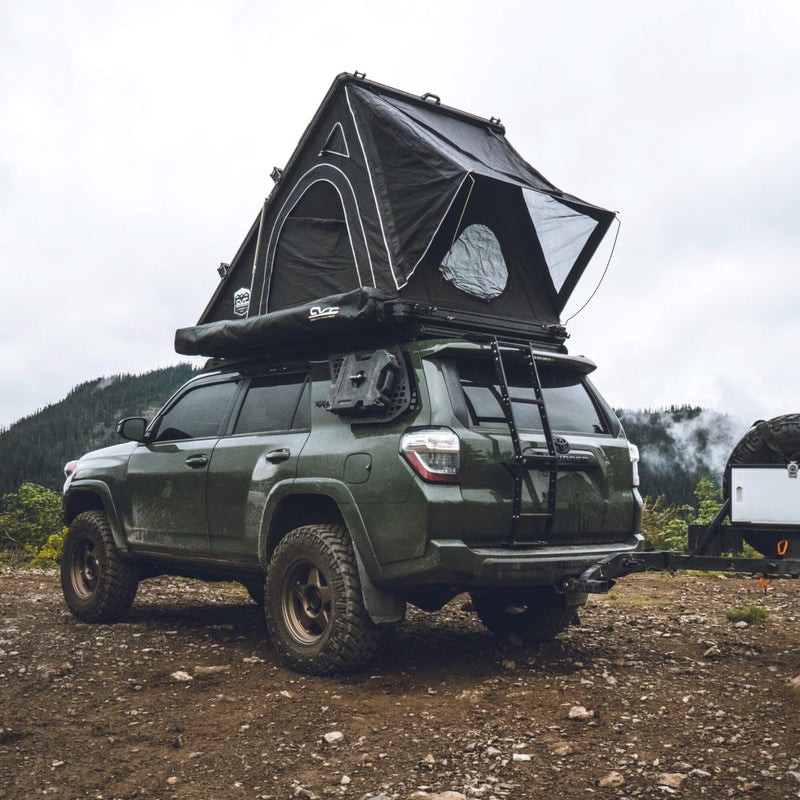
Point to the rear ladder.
(519, 469)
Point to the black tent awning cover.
(403, 201)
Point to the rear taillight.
(433, 453)
(633, 451)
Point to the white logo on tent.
(241, 302)
(317, 312)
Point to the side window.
(275, 403)
(197, 414)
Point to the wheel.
(523, 616)
(784, 433)
(313, 605)
(98, 585)
(255, 588)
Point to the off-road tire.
(523, 616)
(98, 584)
(313, 604)
(752, 449)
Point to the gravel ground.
(653, 694)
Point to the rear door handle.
(197, 462)
(276, 456)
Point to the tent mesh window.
(563, 233)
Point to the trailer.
(761, 508)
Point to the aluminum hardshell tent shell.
(401, 201)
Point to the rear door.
(594, 499)
(269, 429)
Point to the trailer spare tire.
(772, 441)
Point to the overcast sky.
(136, 142)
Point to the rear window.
(569, 405)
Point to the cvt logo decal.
(317, 312)
(241, 302)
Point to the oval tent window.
(475, 264)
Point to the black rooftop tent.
(395, 209)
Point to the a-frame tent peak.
(358, 79)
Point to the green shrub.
(49, 554)
(667, 527)
(29, 519)
(749, 614)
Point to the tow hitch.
(710, 547)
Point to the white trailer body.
(765, 495)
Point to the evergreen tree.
(35, 449)
(678, 446)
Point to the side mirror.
(132, 428)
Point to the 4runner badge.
(317, 312)
(241, 302)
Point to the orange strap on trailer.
(783, 546)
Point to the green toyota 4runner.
(390, 414)
(338, 489)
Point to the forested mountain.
(678, 445)
(35, 448)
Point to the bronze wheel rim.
(84, 569)
(306, 603)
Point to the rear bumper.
(453, 563)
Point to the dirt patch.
(654, 693)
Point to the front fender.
(87, 495)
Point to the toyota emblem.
(561, 445)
